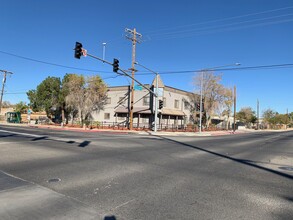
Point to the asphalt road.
(243, 176)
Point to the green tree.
(32, 97)
(269, 116)
(21, 107)
(46, 96)
(274, 119)
(247, 116)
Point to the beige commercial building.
(176, 111)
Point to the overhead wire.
(273, 66)
(52, 64)
(225, 27)
(188, 31)
(222, 19)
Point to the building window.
(121, 118)
(164, 102)
(121, 101)
(186, 105)
(108, 101)
(176, 103)
(107, 116)
(146, 101)
(144, 120)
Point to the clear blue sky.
(177, 36)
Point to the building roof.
(160, 85)
(160, 82)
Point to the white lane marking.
(20, 133)
(123, 204)
(12, 142)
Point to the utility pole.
(287, 118)
(257, 114)
(200, 101)
(3, 85)
(135, 38)
(234, 126)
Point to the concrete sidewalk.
(20, 199)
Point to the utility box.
(13, 117)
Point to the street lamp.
(201, 85)
(156, 94)
(104, 50)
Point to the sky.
(178, 38)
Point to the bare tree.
(227, 104)
(213, 93)
(85, 95)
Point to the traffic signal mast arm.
(124, 72)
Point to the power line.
(218, 20)
(274, 66)
(224, 27)
(215, 30)
(52, 64)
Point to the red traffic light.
(115, 65)
(78, 50)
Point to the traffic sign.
(84, 52)
(138, 87)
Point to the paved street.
(47, 174)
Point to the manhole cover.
(286, 168)
(54, 180)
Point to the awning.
(166, 111)
(142, 110)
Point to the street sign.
(84, 52)
(138, 88)
(160, 92)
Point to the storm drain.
(54, 180)
(286, 168)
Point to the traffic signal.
(78, 50)
(115, 65)
(161, 103)
(197, 106)
(202, 109)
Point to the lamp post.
(201, 89)
(156, 94)
(104, 50)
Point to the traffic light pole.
(156, 103)
(156, 95)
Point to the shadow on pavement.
(110, 217)
(84, 144)
(39, 138)
(9, 135)
(241, 161)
